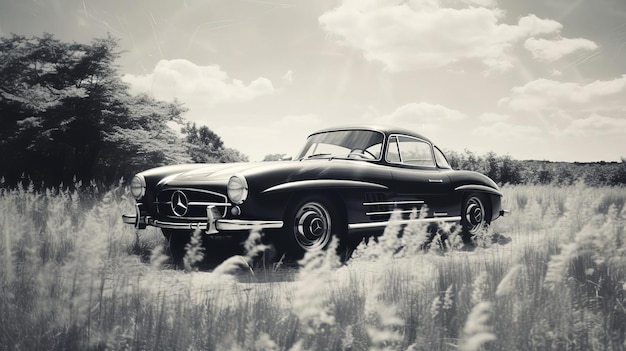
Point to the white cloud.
(551, 95)
(197, 85)
(533, 25)
(427, 34)
(552, 50)
(421, 117)
(596, 125)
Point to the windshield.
(352, 144)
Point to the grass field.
(551, 276)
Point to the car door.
(417, 181)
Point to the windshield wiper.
(316, 156)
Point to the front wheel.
(475, 215)
(310, 226)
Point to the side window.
(393, 152)
(410, 151)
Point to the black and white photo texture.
(312, 175)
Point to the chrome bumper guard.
(213, 224)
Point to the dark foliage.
(67, 117)
(505, 170)
(204, 145)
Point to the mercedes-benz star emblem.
(316, 227)
(179, 203)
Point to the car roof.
(385, 129)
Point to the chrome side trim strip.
(394, 203)
(388, 212)
(403, 221)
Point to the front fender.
(318, 184)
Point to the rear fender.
(479, 189)
(495, 196)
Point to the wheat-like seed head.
(477, 331)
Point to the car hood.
(281, 171)
(218, 172)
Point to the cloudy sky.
(533, 79)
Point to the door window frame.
(397, 146)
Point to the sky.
(532, 79)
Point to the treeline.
(66, 117)
(505, 170)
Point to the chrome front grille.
(189, 203)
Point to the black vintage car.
(345, 182)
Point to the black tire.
(475, 215)
(176, 241)
(310, 225)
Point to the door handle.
(435, 180)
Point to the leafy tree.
(274, 157)
(205, 146)
(66, 114)
(143, 140)
(228, 155)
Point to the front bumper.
(213, 224)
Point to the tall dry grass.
(72, 278)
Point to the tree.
(143, 140)
(66, 114)
(205, 146)
(274, 157)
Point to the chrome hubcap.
(312, 226)
(475, 214)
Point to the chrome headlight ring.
(138, 186)
(237, 189)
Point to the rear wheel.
(475, 215)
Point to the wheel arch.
(493, 196)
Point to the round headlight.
(138, 186)
(237, 189)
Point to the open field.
(551, 276)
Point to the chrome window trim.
(435, 147)
(396, 135)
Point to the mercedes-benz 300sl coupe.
(345, 182)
